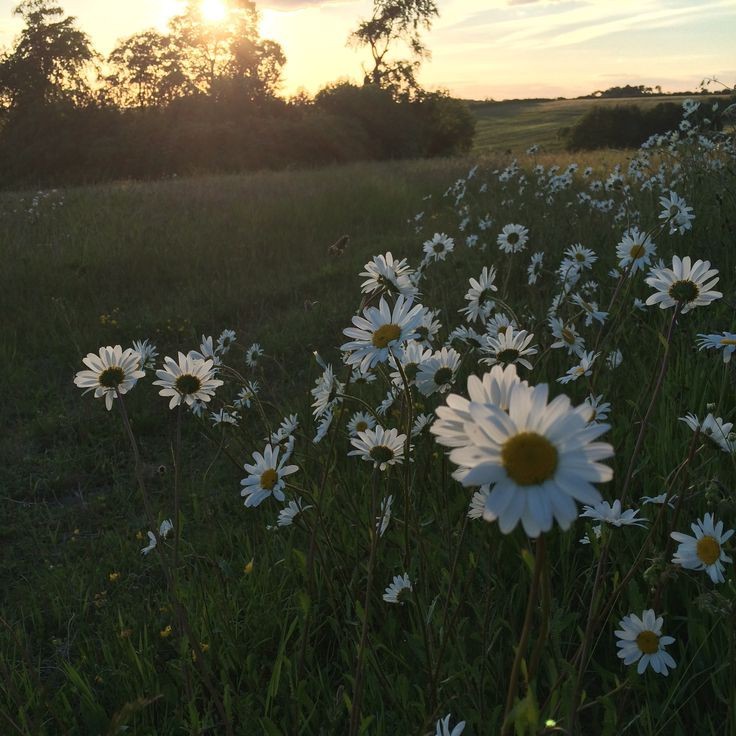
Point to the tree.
(228, 56)
(51, 62)
(396, 22)
(146, 70)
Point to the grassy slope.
(516, 125)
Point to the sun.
(213, 11)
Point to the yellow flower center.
(112, 376)
(443, 376)
(580, 257)
(728, 341)
(684, 291)
(568, 336)
(361, 426)
(385, 334)
(529, 458)
(268, 479)
(637, 251)
(187, 384)
(708, 550)
(509, 355)
(381, 454)
(648, 642)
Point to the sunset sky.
(480, 48)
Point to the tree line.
(204, 96)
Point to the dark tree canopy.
(396, 23)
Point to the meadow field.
(394, 591)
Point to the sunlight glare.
(213, 11)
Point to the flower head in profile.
(399, 591)
(606, 513)
(686, 284)
(382, 447)
(480, 295)
(725, 341)
(326, 392)
(567, 337)
(112, 372)
(714, 428)
(266, 476)
(148, 353)
(382, 330)
(676, 212)
(538, 458)
(534, 269)
(512, 238)
(704, 551)
(640, 640)
(187, 381)
(583, 368)
(290, 512)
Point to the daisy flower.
(512, 238)
(252, 354)
(290, 512)
(323, 426)
(265, 476)
(636, 249)
(438, 372)
(384, 517)
(148, 353)
(725, 341)
(359, 422)
(399, 591)
(509, 347)
(381, 330)
(165, 529)
(534, 270)
(152, 542)
(414, 354)
(640, 640)
(583, 368)
(427, 329)
(539, 457)
(225, 341)
(247, 394)
(659, 500)
(704, 551)
(480, 295)
(442, 727)
(499, 323)
(676, 212)
(599, 409)
(286, 429)
(591, 310)
(466, 336)
(385, 274)
(612, 514)
(685, 284)
(223, 417)
(614, 359)
(583, 257)
(478, 502)
(325, 392)
(188, 381)
(421, 423)
(567, 337)
(438, 247)
(714, 428)
(206, 351)
(382, 447)
(113, 371)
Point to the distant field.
(517, 124)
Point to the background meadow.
(89, 640)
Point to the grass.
(514, 125)
(84, 640)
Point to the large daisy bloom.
(509, 347)
(266, 476)
(437, 373)
(539, 458)
(113, 371)
(512, 238)
(381, 330)
(640, 640)
(687, 284)
(704, 551)
(382, 447)
(188, 381)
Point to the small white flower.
(478, 502)
(225, 341)
(252, 354)
(640, 640)
(438, 372)
(148, 353)
(635, 249)
(399, 591)
(187, 381)
(114, 371)
(513, 238)
(290, 512)
(659, 500)
(676, 212)
(714, 428)
(614, 359)
(151, 544)
(438, 247)
(382, 447)
(509, 347)
(359, 422)
(583, 368)
(704, 551)
(166, 528)
(612, 514)
(265, 476)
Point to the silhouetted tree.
(395, 23)
(51, 61)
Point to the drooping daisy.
(152, 542)
(224, 417)
(384, 517)
(640, 640)
(635, 250)
(225, 341)
(359, 422)
(247, 394)
(465, 336)
(438, 247)
(385, 406)
(480, 295)
(437, 373)
(604, 512)
(509, 347)
(704, 551)
(206, 351)
(590, 309)
(399, 591)
(324, 424)
(662, 498)
(113, 371)
(539, 458)
(381, 330)
(326, 392)
(676, 212)
(442, 727)
(512, 238)
(534, 270)
(583, 368)
(686, 284)
(386, 275)
(714, 428)
(382, 447)
(725, 341)
(583, 257)
(290, 512)
(567, 337)
(148, 353)
(188, 381)
(166, 528)
(285, 430)
(252, 354)
(265, 477)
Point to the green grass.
(81, 652)
(517, 124)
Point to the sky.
(481, 49)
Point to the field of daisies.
(470, 472)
